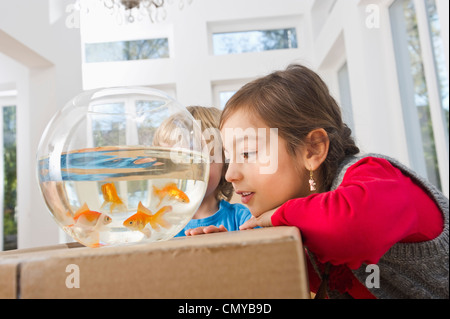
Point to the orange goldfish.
(110, 196)
(144, 216)
(172, 191)
(84, 217)
(144, 160)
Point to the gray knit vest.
(408, 270)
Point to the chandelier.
(134, 10)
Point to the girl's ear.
(316, 150)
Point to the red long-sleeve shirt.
(373, 208)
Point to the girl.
(215, 210)
(351, 211)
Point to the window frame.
(226, 86)
(7, 100)
(412, 127)
(87, 44)
(258, 24)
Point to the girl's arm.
(264, 220)
(375, 207)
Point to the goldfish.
(92, 220)
(144, 216)
(110, 196)
(172, 191)
(87, 225)
(144, 160)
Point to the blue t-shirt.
(230, 215)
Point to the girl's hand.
(263, 220)
(205, 230)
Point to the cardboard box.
(259, 263)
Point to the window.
(224, 96)
(145, 128)
(110, 122)
(254, 41)
(438, 52)
(127, 50)
(222, 91)
(416, 86)
(9, 179)
(345, 95)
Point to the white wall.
(369, 54)
(42, 58)
(192, 71)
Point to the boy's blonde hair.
(209, 118)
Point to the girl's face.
(260, 168)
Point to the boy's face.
(215, 174)
(260, 168)
(214, 144)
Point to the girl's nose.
(233, 173)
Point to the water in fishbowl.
(114, 195)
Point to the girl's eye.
(246, 155)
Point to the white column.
(439, 127)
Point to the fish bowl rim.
(83, 99)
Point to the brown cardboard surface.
(260, 263)
(11, 261)
(8, 275)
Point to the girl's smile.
(245, 196)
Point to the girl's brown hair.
(297, 101)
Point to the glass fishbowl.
(122, 165)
